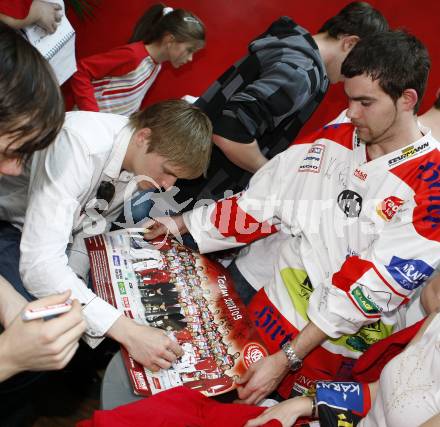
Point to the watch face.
(295, 365)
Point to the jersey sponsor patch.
(313, 160)
(388, 207)
(341, 395)
(409, 273)
(408, 152)
(364, 303)
(358, 173)
(350, 203)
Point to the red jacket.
(178, 407)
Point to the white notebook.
(58, 48)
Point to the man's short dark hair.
(356, 19)
(31, 104)
(397, 59)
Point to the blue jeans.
(244, 289)
(10, 258)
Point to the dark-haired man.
(358, 200)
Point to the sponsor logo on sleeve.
(409, 273)
(430, 176)
(388, 207)
(350, 203)
(408, 152)
(364, 303)
(340, 395)
(313, 160)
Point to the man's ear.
(349, 42)
(142, 138)
(409, 99)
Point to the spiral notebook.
(58, 48)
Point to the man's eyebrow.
(362, 98)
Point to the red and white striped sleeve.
(242, 218)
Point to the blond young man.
(76, 187)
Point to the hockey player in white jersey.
(360, 201)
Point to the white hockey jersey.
(365, 234)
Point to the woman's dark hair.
(397, 59)
(357, 19)
(154, 25)
(31, 105)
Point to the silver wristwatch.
(292, 359)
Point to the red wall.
(231, 24)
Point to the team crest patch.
(252, 353)
(409, 273)
(388, 207)
(313, 160)
(350, 203)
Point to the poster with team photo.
(169, 286)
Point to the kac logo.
(409, 273)
(350, 203)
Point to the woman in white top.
(407, 395)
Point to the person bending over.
(356, 200)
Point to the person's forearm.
(245, 156)
(432, 422)
(7, 367)
(373, 390)
(307, 340)
(11, 303)
(17, 24)
(430, 296)
(119, 330)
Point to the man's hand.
(286, 412)
(164, 225)
(149, 346)
(262, 378)
(39, 345)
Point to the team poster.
(169, 286)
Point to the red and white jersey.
(116, 81)
(364, 234)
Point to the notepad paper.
(58, 48)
